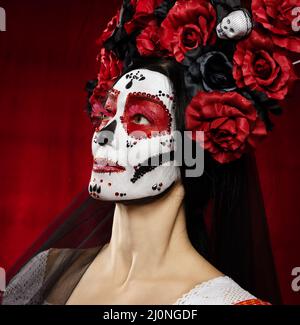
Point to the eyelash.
(137, 115)
(136, 110)
(98, 120)
(108, 110)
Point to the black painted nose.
(106, 134)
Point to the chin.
(118, 196)
(117, 187)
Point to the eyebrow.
(146, 96)
(113, 92)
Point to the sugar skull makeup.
(133, 146)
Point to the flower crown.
(236, 64)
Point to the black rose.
(210, 71)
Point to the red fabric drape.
(46, 56)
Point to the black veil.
(237, 236)
(240, 242)
(227, 220)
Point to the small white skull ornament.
(235, 25)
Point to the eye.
(105, 118)
(99, 122)
(140, 119)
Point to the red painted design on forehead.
(151, 109)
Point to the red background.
(46, 56)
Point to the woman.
(166, 68)
(150, 258)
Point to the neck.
(147, 238)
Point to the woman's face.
(134, 144)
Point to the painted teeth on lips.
(103, 165)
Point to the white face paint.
(140, 104)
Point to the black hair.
(225, 216)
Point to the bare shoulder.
(198, 269)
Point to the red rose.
(108, 31)
(143, 14)
(262, 66)
(110, 70)
(229, 121)
(148, 41)
(277, 17)
(188, 25)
